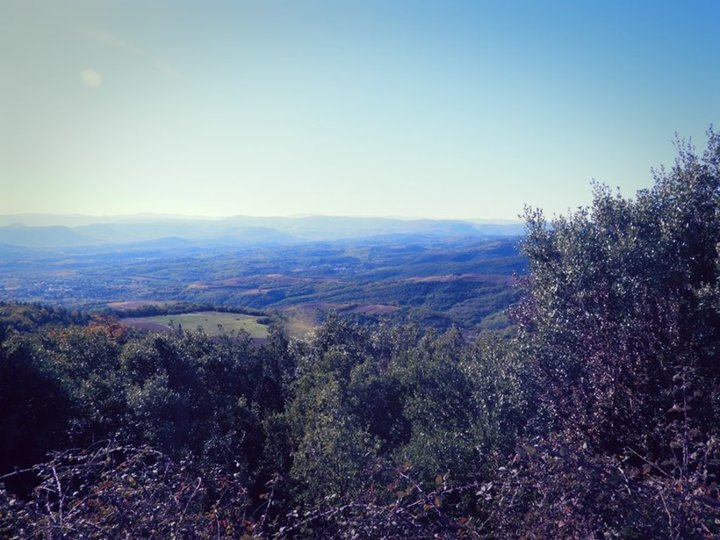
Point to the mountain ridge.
(46, 233)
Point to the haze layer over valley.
(433, 272)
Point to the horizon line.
(170, 216)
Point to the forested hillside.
(599, 416)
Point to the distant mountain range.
(51, 231)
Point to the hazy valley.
(431, 272)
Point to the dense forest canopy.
(598, 417)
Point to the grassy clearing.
(213, 323)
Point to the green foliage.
(620, 295)
(620, 330)
(183, 393)
(394, 396)
(35, 408)
(334, 451)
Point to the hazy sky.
(444, 109)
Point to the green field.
(213, 323)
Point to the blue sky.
(446, 109)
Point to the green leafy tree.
(620, 330)
(35, 407)
(333, 452)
